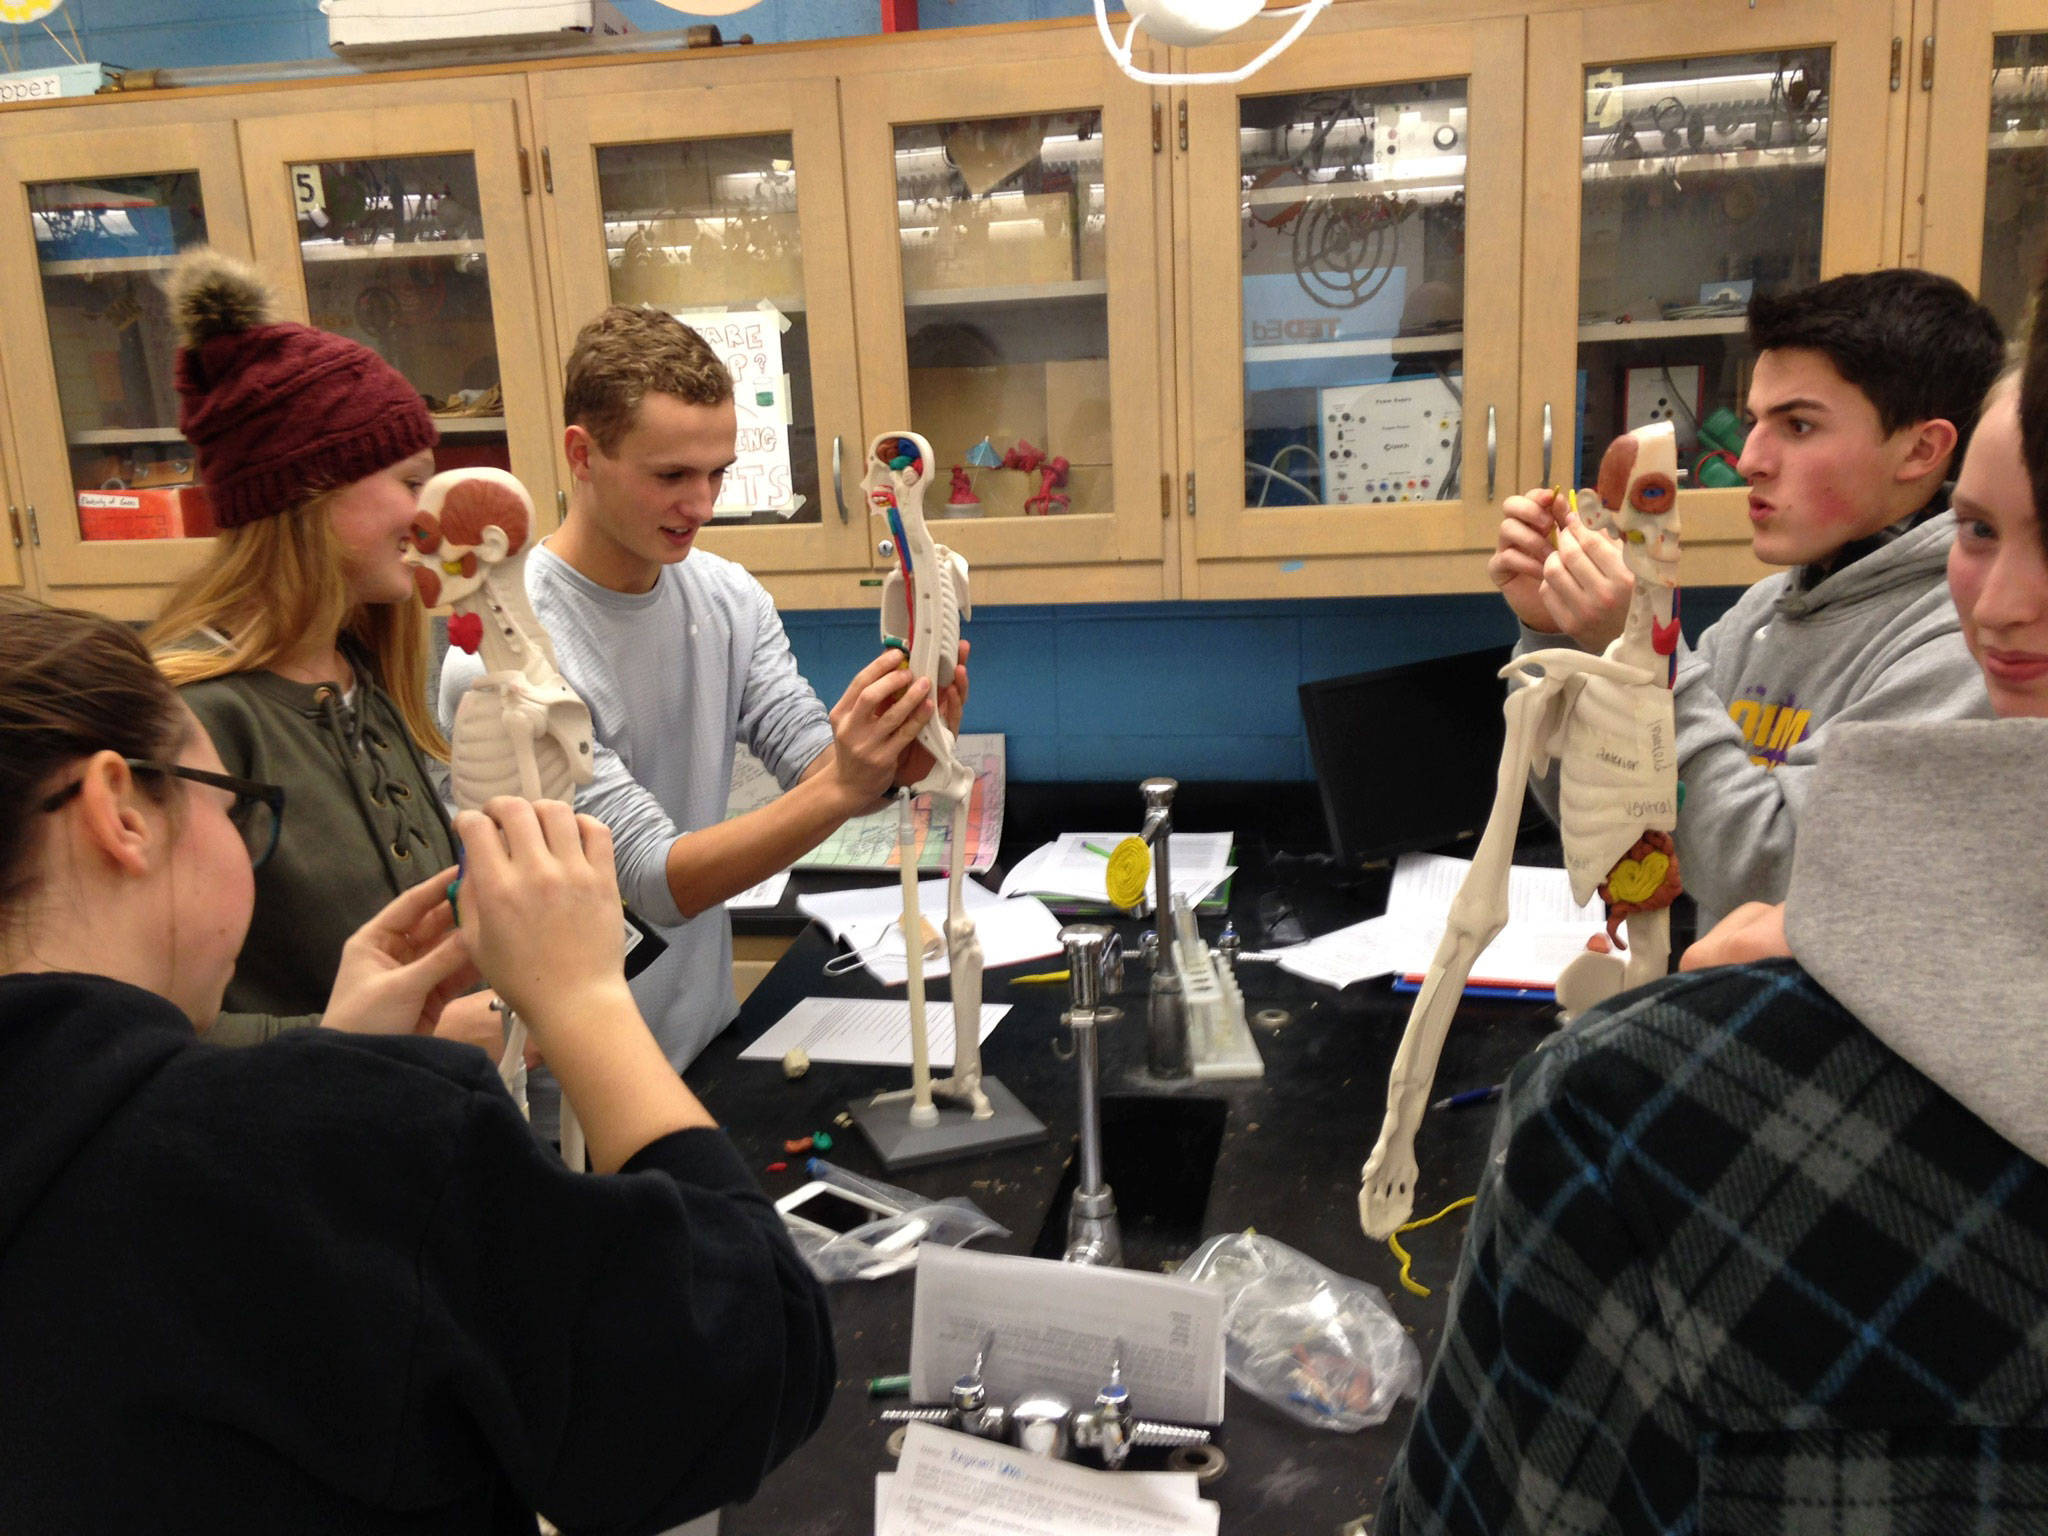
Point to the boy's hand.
(540, 906)
(1526, 526)
(917, 760)
(1753, 931)
(875, 720)
(1587, 586)
(400, 969)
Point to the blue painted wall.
(1195, 690)
(187, 34)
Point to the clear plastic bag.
(889, 1243)
(1319, 1346)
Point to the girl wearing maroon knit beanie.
(301, 645)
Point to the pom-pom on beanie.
(278, 411)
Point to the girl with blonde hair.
(301, 645)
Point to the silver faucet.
(1166, 1022)
(1093, 1236)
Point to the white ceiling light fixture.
(1193, 23)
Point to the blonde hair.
(276, 580)
(627, 354)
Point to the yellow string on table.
(1413, 1286)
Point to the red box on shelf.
(179, 512)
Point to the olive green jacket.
(362, 822)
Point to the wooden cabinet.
(1979, 84)
(1001, 200)
(1351, 228)
(14, 543)
(703, 192)
(91, 222)
(403, 226)
(1292, 337)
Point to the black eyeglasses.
(257, 813)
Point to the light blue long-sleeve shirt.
(674, 677)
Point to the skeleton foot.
(966, 1091)
(1387, 1195)
(1588, 980)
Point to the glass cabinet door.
(1354, 214)
(1986, 178)
(404, 231)
(725, 208)
(1683, 186)
(90, 359)
(1006, 218)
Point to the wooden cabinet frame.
(575, 127)
(488, 131)
(1240, 550)
(1562, 45)
(64, 558)
(1075, 557)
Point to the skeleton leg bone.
(963, 949)
(1478, 912)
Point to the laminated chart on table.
(870, 842)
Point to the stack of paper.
(865, 1032)
(1075, 867)
(950, 1484)
(870, 921)
(1545, 931)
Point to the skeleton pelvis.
(484, 753)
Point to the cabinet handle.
(14, 522)
(1492, 449)
(1546, 443)
(1183, 123)
(561, 508)
(35, 532)
(838, 489)
(1927, 62)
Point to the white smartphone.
(826, 1210)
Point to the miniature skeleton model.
(923, 602)
(520, 729)
(1607, 720)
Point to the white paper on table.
(1424, 884)
(1338, 958)
(1068, 867)
(836, 911)
(1057, 1327)
(766, 893)
(864, 1031)
(870, 922)
(950, 1484)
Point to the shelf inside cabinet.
(92, 437)
(1657, 330)
(389, 250)
(1017, 293)
(470, 426)
(100, 266)
(1370, 346)
(1790, 157)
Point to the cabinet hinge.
(1183, 123)
(526, 172)
(1158, 127)
(1898, 61)
(1191, 493)
(14, 522)
(35, 532)
(547, 169)
(1927, 62)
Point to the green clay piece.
(822, 1141)
(1681, 794)
(901, 461)
(895, 643)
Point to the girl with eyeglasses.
(230, 1299)
(301, 645)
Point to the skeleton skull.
(1638, 501)
(469, 520)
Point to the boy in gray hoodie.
(1864, 393)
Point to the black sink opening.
(1159, 1159)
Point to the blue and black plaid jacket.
(1740, 1269)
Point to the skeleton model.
(520, 729)
(923, 602)
(1607, 720)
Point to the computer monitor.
(1408, 758)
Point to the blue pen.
(1469, 1096)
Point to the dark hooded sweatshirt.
(332, 1283)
